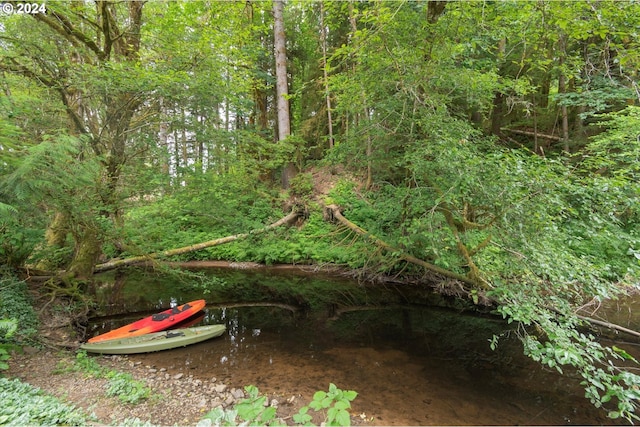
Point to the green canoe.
(157, 341)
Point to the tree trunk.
(365, 116)
(113, 35)
(260, 114)
(435, 8)
(176, 156)
(282, 90)
(323, 30)
(185, 141)
(369, 150)
(533, 134)
(562, 89)
(56, 238)
(86, 254)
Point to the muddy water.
(411, 365)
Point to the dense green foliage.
(19, 319)
(493, 140)
(23, 405)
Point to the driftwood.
(115, 263)
(334, 212)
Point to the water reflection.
(411, 365)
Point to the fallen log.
(534, 134)
(115, 263)
(334, 212)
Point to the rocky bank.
(176, 398)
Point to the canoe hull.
(157, 341)
(155, 323)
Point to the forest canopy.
(498, 142)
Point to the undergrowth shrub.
(315, 242)
(301, 185)
(18, 319)
(23, 404)
(8, 327)
(123, 385)
(16, 304)
(126, 388)
(186, 216)
(17, 240)
(332, 405)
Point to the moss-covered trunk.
(55, 238)
(87, 252)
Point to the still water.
(411, 364)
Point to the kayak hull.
(156, 341)
(155, 323)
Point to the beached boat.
(157, 341)
(155, 323)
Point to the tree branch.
(335, 213)
(69, 32)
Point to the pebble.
(237, 393)
(206, 394)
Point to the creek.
(291, 334)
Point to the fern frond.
(53, 168)
(7, 210)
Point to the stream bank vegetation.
(493, 145)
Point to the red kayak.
(155, 323)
